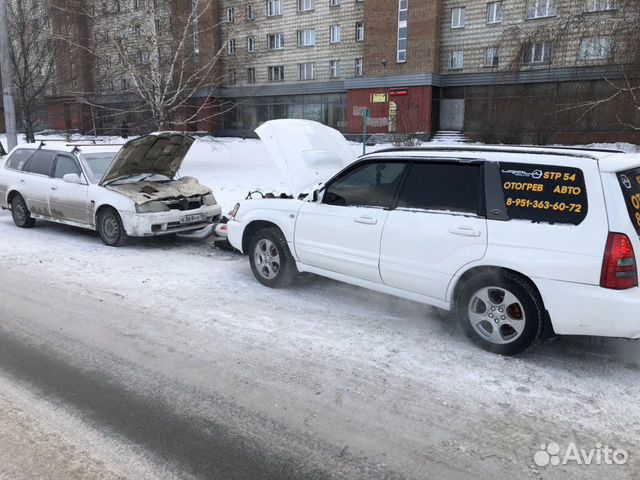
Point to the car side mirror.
(316, 195)
(72, 178)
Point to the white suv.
(515, 240)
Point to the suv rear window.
(544, 193)
(442, 186)
(630, 184)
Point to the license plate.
(192, 218)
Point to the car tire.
(271, 260)
(501, 313)
(20, 213)
(110, 228)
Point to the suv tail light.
(619, 268)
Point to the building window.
(456, 60)
(231, 46)
(359, 31)
(335, 34)
(305, 5)
(596, 48)
(276, 74)
(232, 77)
(251, 44)
(307, 70)
(491, 58)
(334, 66)
(251, 12)
(599, 5)
(538, 52)
(494, 12)
(458, 17)
(274, 7)
(306, 38)
(231, 14)
(359, 70)
(123, 84)
(334, 3)
(138, 4)
(541, 8)
(403, 12)
(251, 75)
(275, 41)
(143, 56)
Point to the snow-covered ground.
(362, 374)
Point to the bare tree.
(32, 54)
(579, 38)
(164, 60)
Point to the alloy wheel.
(496, 315)
(267, 259)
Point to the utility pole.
(6, 74)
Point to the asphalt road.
(191, 444)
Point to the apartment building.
(501, 71)
(521, 71)
(289, 59)
(517, 71)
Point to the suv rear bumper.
(578, 309)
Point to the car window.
(544, 193)
(630, 185)
(18, 159)
(442, 186)
(371, 185)
(65, 165)
(41, 163)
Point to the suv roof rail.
(536, 150)
(584, 149)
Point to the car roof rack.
(90, 144)
(536, 150)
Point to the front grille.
(191, 203)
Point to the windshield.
(97, 164)
(630, 184)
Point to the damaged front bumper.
(174, 221)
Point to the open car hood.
(305, 152)
(158, 153)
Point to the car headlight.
(208, 199)
(234, 211)
(152, 207)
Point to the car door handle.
(466, 231)
(22, 180)
(54, 188)
(365, 220)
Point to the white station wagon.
(120, 192)
(516, 240)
